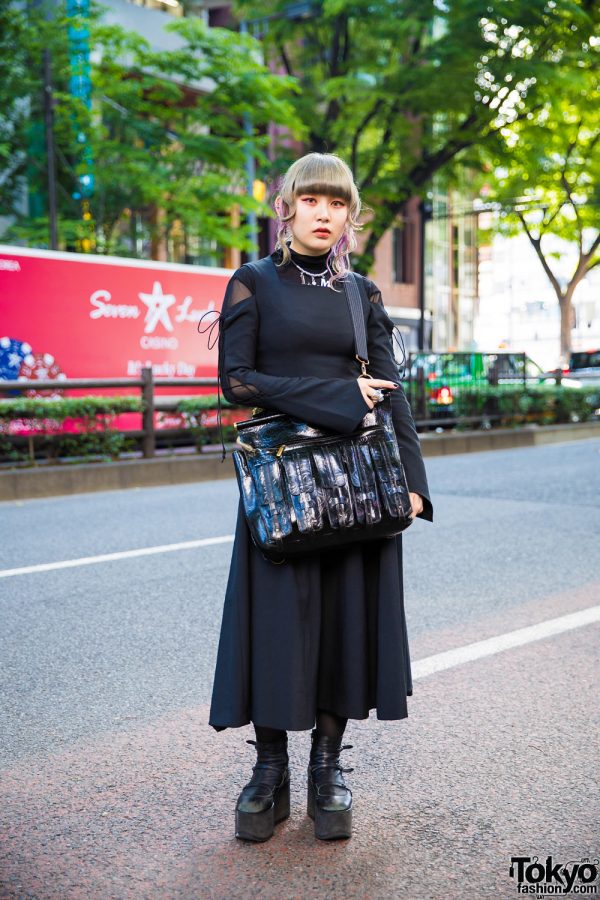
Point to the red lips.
(321, 231)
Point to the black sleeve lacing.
(215, 322)
(237, 290)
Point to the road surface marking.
(109, 557)
(421, 668)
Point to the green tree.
(165, 131)
(13, 71)
(181, 150)
(402, 90)
(23, 37)
(545, 178)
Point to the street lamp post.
(294, 12)
(50, 155)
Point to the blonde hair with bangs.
(320, 173)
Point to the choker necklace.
(321, 275)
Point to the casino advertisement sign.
(66, 315)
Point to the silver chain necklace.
(321, 275)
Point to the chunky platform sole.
(328, 824)
(260, 826)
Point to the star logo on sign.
(158, 305)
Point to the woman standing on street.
(318, 639)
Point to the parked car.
(584, 366)
(446, 374)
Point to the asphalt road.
(113, 785)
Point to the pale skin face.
(314, 211)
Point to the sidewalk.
(485, 768)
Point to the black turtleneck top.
(306, 261)
(314, 264)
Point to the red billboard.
(69, 315)
(101, 316)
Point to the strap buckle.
(363, 367)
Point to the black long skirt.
(323, 631)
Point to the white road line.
(109, 557)
(440, 661)
(421, 668)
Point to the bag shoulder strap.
(354, 287)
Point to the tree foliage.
(22, 143)
(165, 130)
(404, 89)
(544, 178)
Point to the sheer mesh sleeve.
(373, 292)
(383, 364)
(237, 340)
(237, 290)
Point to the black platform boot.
(265, 800)
(329, 800)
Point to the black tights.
(327, 724)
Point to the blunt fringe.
(320, 173)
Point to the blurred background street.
(142, 146)
(115, 786)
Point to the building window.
(173, 7)
(221, 17)
(456, 247)
(404, 250)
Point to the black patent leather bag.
(307, 489)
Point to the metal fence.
(146, 385)
(469, 387)
(444, 389)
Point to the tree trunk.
(158, 244)
(565, 326)
(565, 299)
(566, 314)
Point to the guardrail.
(445, 388)
(427, 373)
(146, 384)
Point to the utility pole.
(49, 131)
(250, 172)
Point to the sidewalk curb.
(51, 481)
(504, 439)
